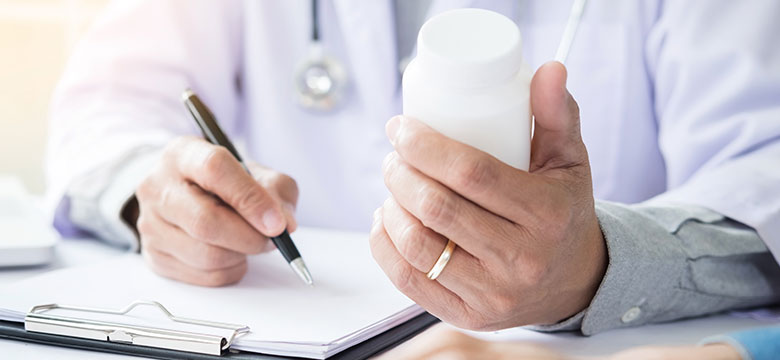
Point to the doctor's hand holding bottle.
(529, 248)
(201, 213)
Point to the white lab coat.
(679, 99)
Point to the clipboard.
(81, 333)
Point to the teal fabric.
(760, 344)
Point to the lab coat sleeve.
(716, 71)
(715, 67)
(672, 261)
(94, 202)
(120, 96)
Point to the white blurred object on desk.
(25, 236)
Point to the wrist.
(584, 277)
(592, 268)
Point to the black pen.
(213, 133)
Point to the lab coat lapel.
(505, 7)
(368, 29)
(369, 34)
(438, 6)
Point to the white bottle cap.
(470, 47)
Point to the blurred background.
(36, 37)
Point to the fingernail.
(272, 220)
(392, 128)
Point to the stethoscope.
(321, 80)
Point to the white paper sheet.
(351, 300)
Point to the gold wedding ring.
(444, 258)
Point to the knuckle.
(173, 148)
(574, 107)
(142, 190)
(251, 199)
(292, 186)
(213, 162)
(144, 226)
(403, 277)
(409, 244)
(436, 208)
(410, 141)
(389, 167)
(178, 143)
(474, 173)
(166, 197)
(225, 277)
(145, 190)
(286, 186)
(212, 258)
(202, 223)
(373, 242)
(535, 273)
(284, 180)
(217, 278)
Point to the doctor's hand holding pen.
(201, 213)
(520, 247)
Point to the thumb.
(557, 142)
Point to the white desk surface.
(69, 253)
(75, 252)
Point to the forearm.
(119, 93)
(668, 262)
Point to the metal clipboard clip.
(37, 320)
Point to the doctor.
(662, 217)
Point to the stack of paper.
(351, 301)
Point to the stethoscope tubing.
(570, 32)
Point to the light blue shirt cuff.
(755, 344)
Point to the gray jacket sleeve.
(668, 262)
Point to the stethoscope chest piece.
(320, 81)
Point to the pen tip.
(303, 272)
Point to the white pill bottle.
(469, 82)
